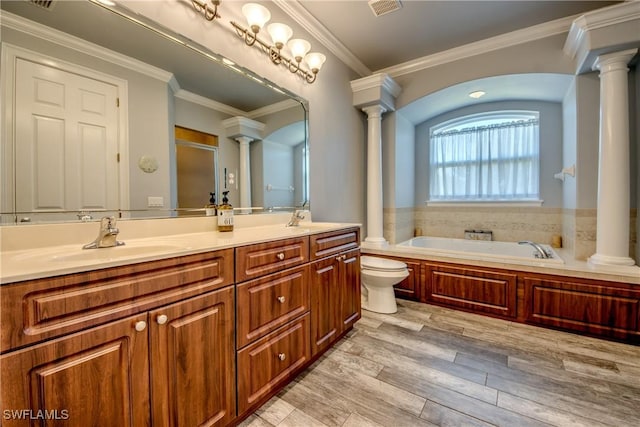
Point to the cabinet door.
(193, 361)
(325, 291)
(96, 377)
(409, 288)
(349, 307)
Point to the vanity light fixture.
(209, 12)
(257, 16)
(477, 94)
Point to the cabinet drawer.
(326, 244)
(267, 303)
(257, 260)
(271, 361)
(592, 308)
(45, 308)
(470, 288)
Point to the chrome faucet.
(540, 252)
(296, 217)
(106, 236)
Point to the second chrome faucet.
(106, 235)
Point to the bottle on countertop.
(211, 209)
(225, 214)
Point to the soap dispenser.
(210, 208)
(225, 214)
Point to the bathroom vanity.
(181, 340)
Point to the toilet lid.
(382, 264)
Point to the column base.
(375, 243)
(599, 259)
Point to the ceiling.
(420, 28)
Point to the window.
(486, 157)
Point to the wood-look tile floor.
(427, 365)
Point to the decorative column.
(244, 131)
(245, 171)
(612, 244)
(374, 176)
(375, 95)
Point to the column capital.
(244, 140)
(378, 89)
(614, 60)
(374, 111)
(240, 126)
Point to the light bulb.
(315, 60)
(299, 48)
(280, 34)
(257, 15)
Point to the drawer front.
(267, 303)
(258, 260)
(473, 289)
(271, 362)
(44, 308)
(602, 310)
(326, 244)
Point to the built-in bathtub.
(479, 250)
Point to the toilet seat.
(381, 264)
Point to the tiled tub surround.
(510, 224)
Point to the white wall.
(588, 129)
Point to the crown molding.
(273, 108)
(299, 14)
(501, 41)
(375, 81)
(612, 15)
(34, 29)
(209, 103)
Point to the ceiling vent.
(44, 4)
(382, 7)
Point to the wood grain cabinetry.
(193, 361)
(272, 318)
(475, 289)
(99, 376)
(409, 288)
(335, 287)
(174, 342)
(272, 361)
(597, 308)
(173, 365)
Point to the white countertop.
(47, 261)
(570, 268)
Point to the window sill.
(485, 203)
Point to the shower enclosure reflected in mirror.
(150, 79)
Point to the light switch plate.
(155, 202)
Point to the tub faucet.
(106, 235)
(540, 252)
(296, 217)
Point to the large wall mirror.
(91, 97)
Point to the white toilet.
(379, 275)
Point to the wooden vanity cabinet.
(166, 365)
(335, 286)
(272, 318)
(99, 376)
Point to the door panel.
(66, 128)
(192, 361)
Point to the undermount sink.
(76, 254)
(115, 252)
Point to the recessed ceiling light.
(477, 94)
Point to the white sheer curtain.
(497, 162)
